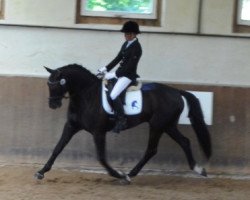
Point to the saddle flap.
(132, 102)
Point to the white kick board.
(206, 101)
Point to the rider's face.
(129, 36)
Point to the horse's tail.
(196, 117)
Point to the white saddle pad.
(133, 102)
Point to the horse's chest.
(81, 117)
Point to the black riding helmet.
(130, 27)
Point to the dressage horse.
(162, 107)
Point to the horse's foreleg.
(153, 142)
(67, 134)
(100, 143)
(184, 142)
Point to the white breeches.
(120, 85)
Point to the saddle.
(131, 98)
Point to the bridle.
(60, 83)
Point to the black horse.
(162, 106)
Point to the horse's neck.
(86, 102)
(80, 82)
(85, 90)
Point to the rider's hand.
(102, 70)
(110, 75)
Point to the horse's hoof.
(200, 170)
(38, 176)
(204, 173)
(125, 181)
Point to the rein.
(59, 97)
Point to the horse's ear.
(49, 70)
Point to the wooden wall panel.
(30, 130)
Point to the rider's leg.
(121, 121)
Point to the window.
(145, 9)
(244, 12)
(145, 12)
(242, 16)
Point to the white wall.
(217, 16)
(40, 12)
(179, 58)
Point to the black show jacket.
(128, 58)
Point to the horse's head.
(57, 88)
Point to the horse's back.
(161, 92)
(162, 101)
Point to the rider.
(128, 58)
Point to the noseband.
(58, 97)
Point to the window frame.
(240, 26)
(1, 9)
(117, 20)
(119, 13)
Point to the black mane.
(76, 68)
(77, 71)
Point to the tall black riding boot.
(121, 120)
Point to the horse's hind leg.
(184, 142)
(154, 137)
(67, 134)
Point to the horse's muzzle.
(54, 104)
